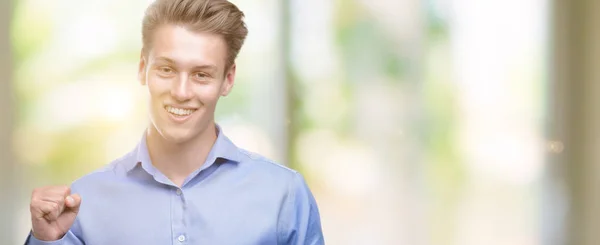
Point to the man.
(185, 182)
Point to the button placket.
(179, 228)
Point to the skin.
(184, 70)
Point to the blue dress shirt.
(235, 198)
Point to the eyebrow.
(172, 62)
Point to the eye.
(166, 70)
(201, 76)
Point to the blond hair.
(219, 17)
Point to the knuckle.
(54, 206)
(35, 198)
(33, 205)
(38, 193)
(64, 189)
(35, 192)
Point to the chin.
(179, 132)
(177, 135)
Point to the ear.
(229, 81)
(142, 69)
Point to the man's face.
(185, 75)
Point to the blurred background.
(418, 122)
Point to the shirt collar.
(223, 148)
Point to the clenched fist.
(53, 211)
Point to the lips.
(179, 111)
(178, 114)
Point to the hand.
(53, 211)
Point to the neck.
(177, 160)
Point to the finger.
(68, 217)
(52, 194)
(63, 191)
(58, 199)
(49, 202)
(38, 209)
(49, 210)
(73, 202)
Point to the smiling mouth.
(180, 112)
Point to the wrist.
(46, 237)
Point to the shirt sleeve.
(67, 239)
(299, 220)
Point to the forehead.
(188, 48)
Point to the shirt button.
(181, 238)
(178, 192)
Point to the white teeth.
(179, 111)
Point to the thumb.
(66, 219)
(73, 202)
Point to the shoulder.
(273, 172)
(261, 165)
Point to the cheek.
(157, 86)
(208, 94)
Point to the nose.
(181, 90)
